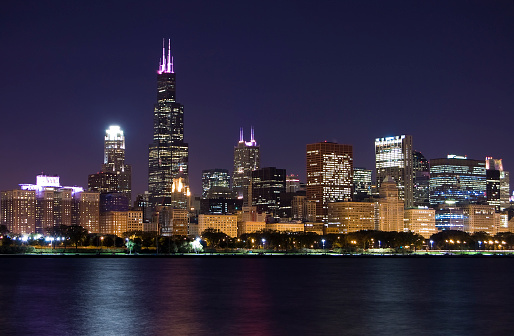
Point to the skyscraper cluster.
(405, 191)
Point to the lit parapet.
(453, 156)
(114, 133)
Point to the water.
(256, 296)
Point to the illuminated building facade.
(420, 221)
(36, 207)
(479, 218)
(246, 160)
(292, 183)
(115, 175)
(268, 185)
(390, 207)
(393, 158)
(214, 178)
(361, 184)
(18, 209)
(457, 179)
(329, 175)
(449, 216)
(351, 216)
(224, 223)
(168, 155)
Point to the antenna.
(241, 134)
(252, 139)
(169, 61)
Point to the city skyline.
(440, 74)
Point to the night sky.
(298, 71)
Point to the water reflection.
(255, 296)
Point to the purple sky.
(298, 71)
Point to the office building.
(346, 217)
(168, 154)
(361, 184)
(421, 186)
(267, 186)
(481, 218)
(224, 223)
(214, 178)
(19, 211)
(246, 160)
(394, 158)
(457, 179)
(115, 176)
(420, 221)
(329, 175)
(390, 207)
(497, 184)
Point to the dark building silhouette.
(267, 186)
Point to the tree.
(4, 230)
(77, 234)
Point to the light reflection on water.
(255, 296)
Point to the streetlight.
(431, 244)
(102, 244)
(323, 241)
(263, 242)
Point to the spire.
(241, 134)
(252, 138)
(169, 60)
(163, 64)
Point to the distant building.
(479, 218)
(329, 175)
(19, 211)
(421, 186)
(293, 183)
(420, 221)
(36, 207)
(449, 216)
(224, 223)
(246, 160)
(390, 207)
(394, 158)
(172, 222)
(349, 217)
(361, 184)
(457, 179)
(497, 184)
(267, 186)
(303, 209)
(115, 176)
(214, 178)
(134, 220)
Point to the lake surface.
(257, 296)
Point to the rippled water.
(256, 296)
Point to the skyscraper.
(497, 185)
(115, 176)
(329, 175)
(246, 160)
(268, 185)
(458, 180)
(361, 184)
(393, 157)
(168, 154)
(421, 180)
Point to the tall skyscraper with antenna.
(168, 153)
(246, 160)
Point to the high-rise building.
(246, 160)
(45, 204)
(214, 178)
(268, 184)
(361, 184)
(390, 207)
(329, 175)
(115, 175)
(497, 184)
(346, 217)
(421, 186)
(457, 179)
(393, 158)
(168, 155)
(481, 218)
(292, 183)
